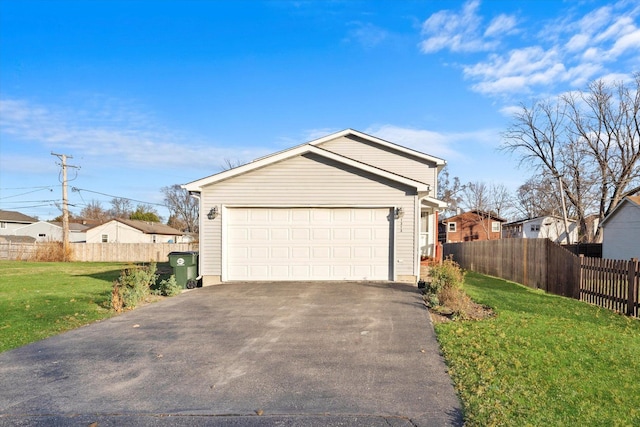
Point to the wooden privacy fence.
(542, 264)
(103, 252)
(611, 284)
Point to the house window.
(495, 227)
(535, 227)
(3, 224)
(105, 238)
(42, 235)
(154, 239)
(451, 227)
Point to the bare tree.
(94, 210)
(184, 208)
(538, 196)
(120, 208)
(490, 198)
(449, 190)
(229, 163)
(589, 143)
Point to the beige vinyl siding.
(307, 180)
(384, 158)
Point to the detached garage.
(345, 207)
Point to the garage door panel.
(362, 252)
(280, 252)
(301, 253)
(321, 252)
(259, 253)
(342, 252)
(259, 234)
(300, 234)
(308, 244)
(279, 234)
(321, 234)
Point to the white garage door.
(308, 244)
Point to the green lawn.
(544, 360)
(40, 299)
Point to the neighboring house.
(543, 227)
(621, 230)
(133, 231)
(471, 226)
(10, 221)
(44, 231)
(348, 206)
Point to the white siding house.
(621, 230)
(543, 227)
(348, 206)
(133, 231)
(44, 231)
(10, 221)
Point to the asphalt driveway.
(285, 354)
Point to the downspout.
(197, 196)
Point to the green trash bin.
(185, 268)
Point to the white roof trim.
(196, 186)
(436, 160)
(433, 201)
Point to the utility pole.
(65, 203)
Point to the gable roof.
(379, 141)
(633, 200)
(523, 221)
(482, 214)
(145, 227)
(12, 216)
(196, 186)
(73, 226)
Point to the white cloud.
(461, 32)
(449, 145)
(503, 24)
(106, 137)
(568, 50)
(367, 34)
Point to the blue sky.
(145, 94)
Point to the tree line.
(583, 148)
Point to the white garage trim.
(261, 243)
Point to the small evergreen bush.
(168, 287)
(133, 286)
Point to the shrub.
(133, 286)
(446, 274)
(50, 252)
(445, 285)
(168, 287)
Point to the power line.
(78, 190)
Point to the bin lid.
(184, 253)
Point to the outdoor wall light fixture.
(399, 213)
(213, 213)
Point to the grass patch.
(40, 299)
(543, 360)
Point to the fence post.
(577, 286)
(632, 296)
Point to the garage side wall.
(308, 180)
(384, 158)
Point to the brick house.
(471, 226)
